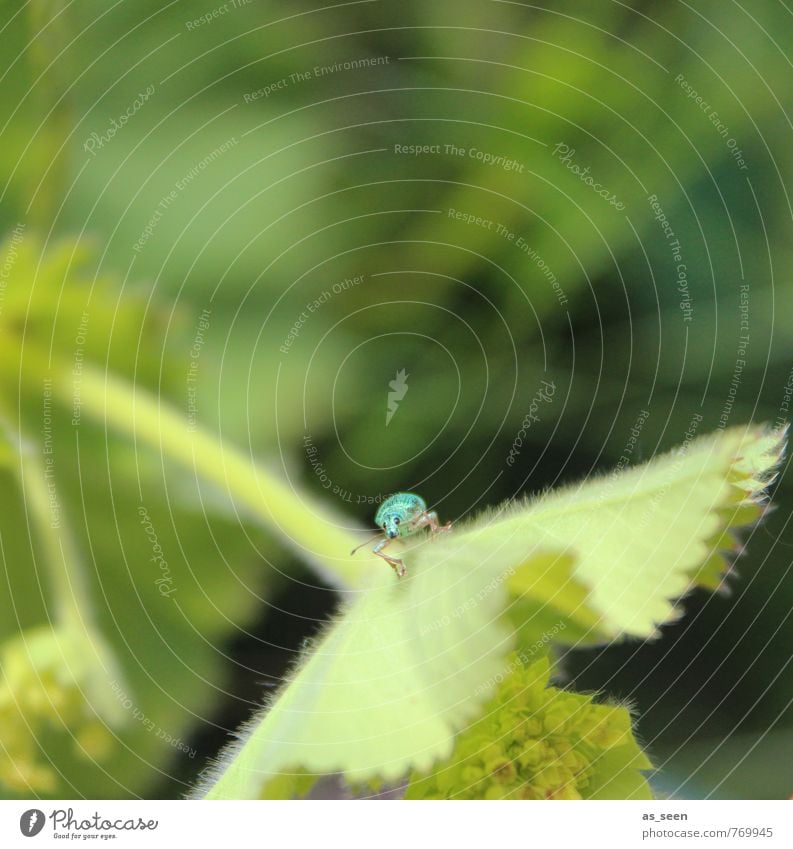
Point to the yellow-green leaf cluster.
(54, 679)
(535, 741)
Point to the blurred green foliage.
(247, 209)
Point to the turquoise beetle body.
(397, 512)
(401, 515)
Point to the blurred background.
(388, 247)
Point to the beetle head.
(391, 525)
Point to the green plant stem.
(73, 607)
(49, 37)
(304, 525)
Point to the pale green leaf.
(408, 663)
(639, 539)
(387, 687)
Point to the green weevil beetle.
(401, 515)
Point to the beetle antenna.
(366, 542)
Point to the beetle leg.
(429, 519)
(394, 562)
(435, 526)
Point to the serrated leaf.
(408, 663)
(642, 538)
(389, 684)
